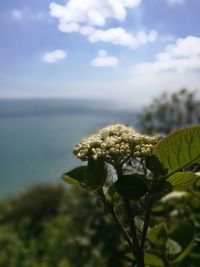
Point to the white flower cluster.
(115, 143)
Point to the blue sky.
(127, 51)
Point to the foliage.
(52, 227)
(146, 192)
(170, 112)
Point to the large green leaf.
(76, 177)
(179, 149)
(132, 187)
(182, 181)
(96, 173)
(157, 235)
(91, 177)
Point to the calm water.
(37, 137)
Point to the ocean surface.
(37, 138)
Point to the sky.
(127, 51)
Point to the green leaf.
(149, 259)
(172, 247)
(185, 236)
(183, 181)
(76, 177)
(91, 177)
(132, 187)
(179, 149)
(153, 260)
(157, 235)
(96, 174)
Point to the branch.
(132, 224)
(148, 214)
(145, 227)
(137, 252)
(111, 210)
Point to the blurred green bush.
(49, 226)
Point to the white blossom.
(115, 143)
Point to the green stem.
(137, 252)
(166, 262)
(148, 213)
(146, 225)
(111, 210)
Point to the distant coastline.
(50, 107)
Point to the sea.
(37, 137)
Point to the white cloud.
(89, 16)
(71, 27)
(175, 2)
(182, 56)
(17, 14)
(54, 56)
(119, 36)
(103, 60)
(185, 47)
(114, 35)
(92, 12)
(87, 30)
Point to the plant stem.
(148, 214)
(137, 252)
(108, 206)
(166, 262)
(146, 225)
(132, 223)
